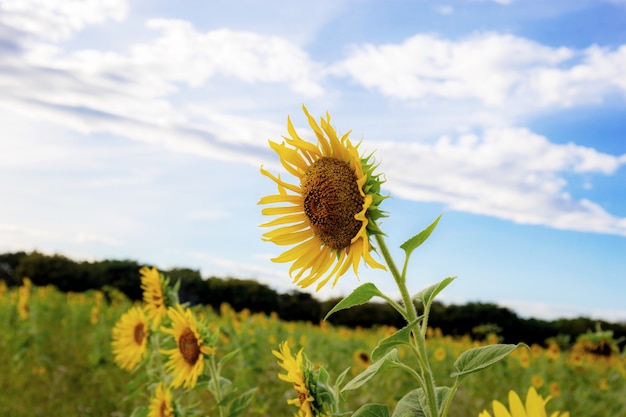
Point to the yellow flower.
(161, 404)
(332, 212)
(537, 381)
(130, 335)
(361, 361)
(186, 360)
(440, 354)
(535, 406)
(296, 375)
(153, 286)
(555, 389)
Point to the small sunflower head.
(332, 210)
(129, 338)
(162, 404)
(193, 343)
(313, 397)
(158, 294)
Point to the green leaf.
(479, 358)
(372, 410)
(428, 294)
(360, 295)
(390, 360)
(342, 376)
(414, 403)
(401, 337)
(227, 357)
(241, 403)
(140, 412)
(419, 238)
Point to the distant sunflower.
(332, 212)
(130, 335)
(535, 406)
(362, 358)
(161, 404)
(154, 291)
(186, 360)
(297, 374)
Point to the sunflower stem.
(215, 378)
(411, 312)
(419, 340)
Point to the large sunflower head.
(156, 294)
(300, 373)
(332, 212)
(186, 360)
(535, 406)
(130, 336)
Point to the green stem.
(411, 313)
(446, 405)
(215, 376)
(418, 337)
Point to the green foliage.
(372, 410)
(413, 404)
(388, 361)
(360, 295)
(479, 358)
(413, 243)
(401, 337)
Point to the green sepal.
(372, 410)
(477, 359)
(419, 238)
(360, 295)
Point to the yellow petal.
(516, 406)
(500, 410)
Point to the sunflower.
(331, 214)
(130, 335)
(535, 406)
(154, 289)
(161, 404)
(186, 360)
(300, 374)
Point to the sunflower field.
(57, 354)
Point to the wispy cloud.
(507, 173)
(493, 69)
(58, 20)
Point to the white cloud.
(496, 70)
(545, 311)
(57, 20)
(445, 10)
(131, 95)
(507, 173)
(183, 54)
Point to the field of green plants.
(55, 350)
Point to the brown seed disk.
(138, 334)
(188, 346)
(331, 200)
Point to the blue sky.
(135, 129)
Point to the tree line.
(474, 318)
